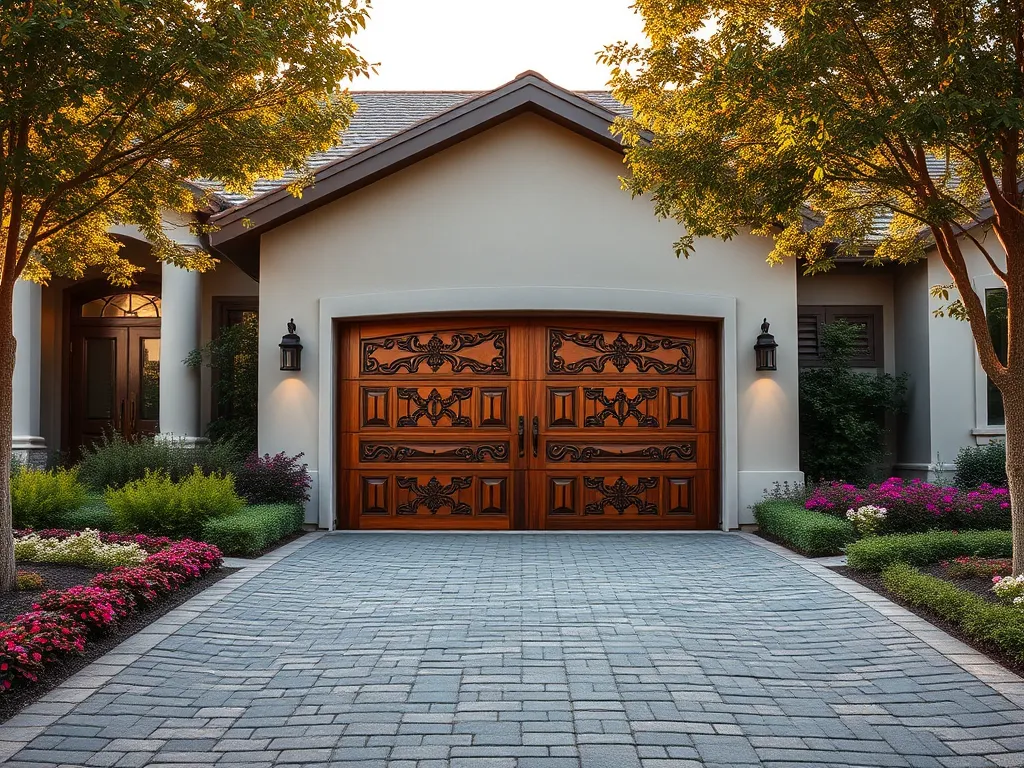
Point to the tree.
(844, 128)
(108, 106)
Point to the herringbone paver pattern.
(538, 651)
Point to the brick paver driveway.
(538, 650)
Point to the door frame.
(490, 300)
(74, 296)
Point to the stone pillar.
(181, 296)
(29, 446)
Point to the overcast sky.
(480, 44)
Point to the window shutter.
(866, 351)
(808, 331)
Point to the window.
(995, 312)
(810, 319)
(123, 305)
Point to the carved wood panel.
(437, 424)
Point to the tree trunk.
(7, 352)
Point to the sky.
(480, 44)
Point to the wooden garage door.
(537, 423)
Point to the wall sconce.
(291, 349)
(765, 348)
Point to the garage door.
(539, 423)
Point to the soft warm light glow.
(474, 45)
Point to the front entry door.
(115, 382)
(546, 423)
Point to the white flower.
(84, 548)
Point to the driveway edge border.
(21, 729)
(993, 674)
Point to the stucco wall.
(912, 327)
(958, 415)
(524, 204)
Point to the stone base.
(30, 452)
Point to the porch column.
(181, 294)
(29, 446)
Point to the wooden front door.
(115, 382)
(539, 423)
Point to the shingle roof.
(380, 115)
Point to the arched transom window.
(123, 305)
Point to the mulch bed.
(980, 587)
(15, 700)
(54, 577)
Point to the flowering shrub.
(27, 580)
(85, 548)
(867, 519)
(967, 567)
(148, 543)
(61, 621)
(915, 506)
(96, 608)
(1009, 588)
(144, 583)
(278, 479)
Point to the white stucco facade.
(527, 211)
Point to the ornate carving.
(589, 453)
(620, 495)
(620, 407)
(434, 496)
(375, 452)
(435, 407)
(436, 353)
(620, 353)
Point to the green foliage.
(234, 356)
(1000, 625)
(41, 499)
(811, 533)
(842, 411)
(981, 464)
(84, 548)
(151, 95)
(877, 553)
(115, 461)
(29, 580)
(253, 529)
(159, 506)
(95, 516)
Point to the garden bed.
(978, 587)
(54, 577)
(16, 699)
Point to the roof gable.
(240, 227)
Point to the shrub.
(981, 465)
(253, 529)
(85, 548)
(145, 583)
(33, 640)
(842, 411)
(809, 532)
(877, 553)
(188, 559)
(97, 608)
(114, 462)
(967, 567)
(1000, 625)
(41, 498)
(156, 504)
(867, 520)
(917, 506)
(148, 543)
(28, 580)
(277, 479)
(96, 518)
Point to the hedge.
(253, 529)
(811, 533)
(877, 553)
(98, 518)
(1000, 625)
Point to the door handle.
(131, 424)
(536, 434)
(120, 421)
(522, 436)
